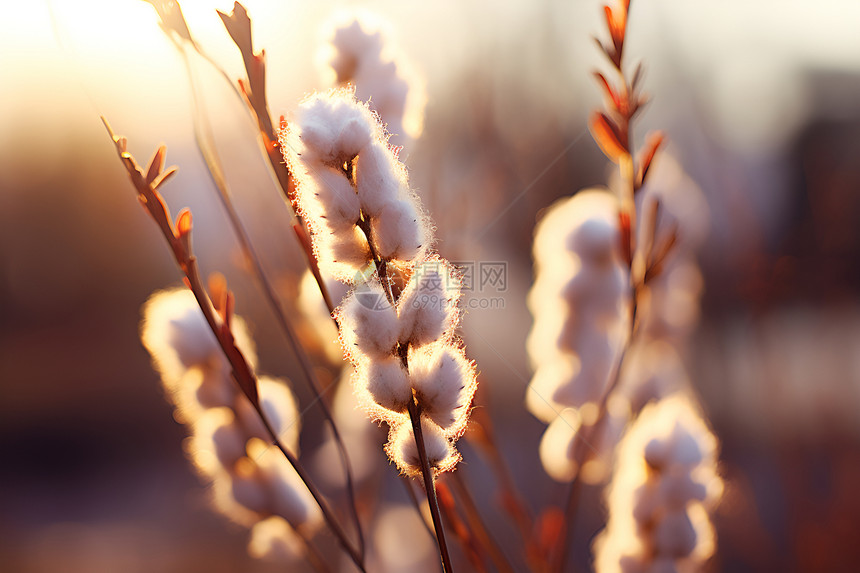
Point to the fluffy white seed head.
(285, 493)
(663, 487)
(361, 54)
(539, 396)
(444, 383)
(596, 357)
(379, 178)
(428, 306)
(343, 253)
(331, 128)
(217, 441)
(328, 195)
(399, 231)
(176, 334)
(369, 324)
(345, 172)
(249, 482)
(580, 303)
(279, 406)
(403, 450)
(186, 354)
(556, 446)
(385, 382)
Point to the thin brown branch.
(429, 486)
(473, 550)
(476, 523)
(392, 293)
(610, 136)
(179, 239)
(205, 143)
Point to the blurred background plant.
(760, 102)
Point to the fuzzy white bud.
(444, 383)
(428, 306)
(398, 230)
(403, 450)
(379, 178)
(249, 480)
(386, 381)
(329, 196)
(663, 487)
(579, 300)
(362, 55)
(369, 323)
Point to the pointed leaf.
(229, 307)
(183, 231)
(218, 291)
(637, 76)
(156, 164)
(610, 93)
(662, 253)
(652, 144)
(238, 25)
(159, 181)
(607, 136)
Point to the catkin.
(252, 483)
(398, 329)
(663, 490)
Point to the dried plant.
(229, 445)
(605, 347)
(397, 326)
(597, 255)
(219, 314)
(664, 486)
(362, 55)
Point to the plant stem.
(473, 517)
(241, 371)
(592, 440)
(180, 245)
(210, 156)
(413, 407)
(312, 554)
(429, 486)
(354, 554)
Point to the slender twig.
(354, 554)
(429, 486)
(179, 239)
(613, 131)
(483, 436)
(475, 553)
(476, 523)
(413, 408)
(208, 150)
(590, 437)
(312, 555)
